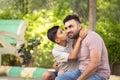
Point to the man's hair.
(70, 17)
(51, 34)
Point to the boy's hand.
(83, 33)
(55, 66)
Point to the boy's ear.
(57, 40)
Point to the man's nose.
(67, 31)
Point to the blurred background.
(43, 14)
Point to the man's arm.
(95, 59)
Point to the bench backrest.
(14, 26)
(12, 32)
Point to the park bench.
(11, 41)
(23, 72)
(12, 37)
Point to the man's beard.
(75, 36)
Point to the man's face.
(72, 28)
(61, 35)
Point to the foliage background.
(43, 14)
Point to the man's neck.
(78, 33)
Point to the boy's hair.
(69, 17)
(51, 34)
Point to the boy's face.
(61, 36)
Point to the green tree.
(92, 14)
(108, 27)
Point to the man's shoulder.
(93, 34)
(93, 37)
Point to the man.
(93, 56)
(63, 52)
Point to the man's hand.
(80, 78)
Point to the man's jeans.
(73, 75)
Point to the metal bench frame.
(8, 48)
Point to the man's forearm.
(88, 71)
(95, 60)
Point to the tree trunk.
(92, 14)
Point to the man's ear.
(57, 40)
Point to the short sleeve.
(60, 56)
(94, 42)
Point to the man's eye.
(70, 26)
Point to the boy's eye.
(65, 28)
(61, 31)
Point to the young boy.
(63, 52)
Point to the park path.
(112, 77)
(16, 78)
(18, 73)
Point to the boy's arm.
(73, 54)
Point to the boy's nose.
(64, 32)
